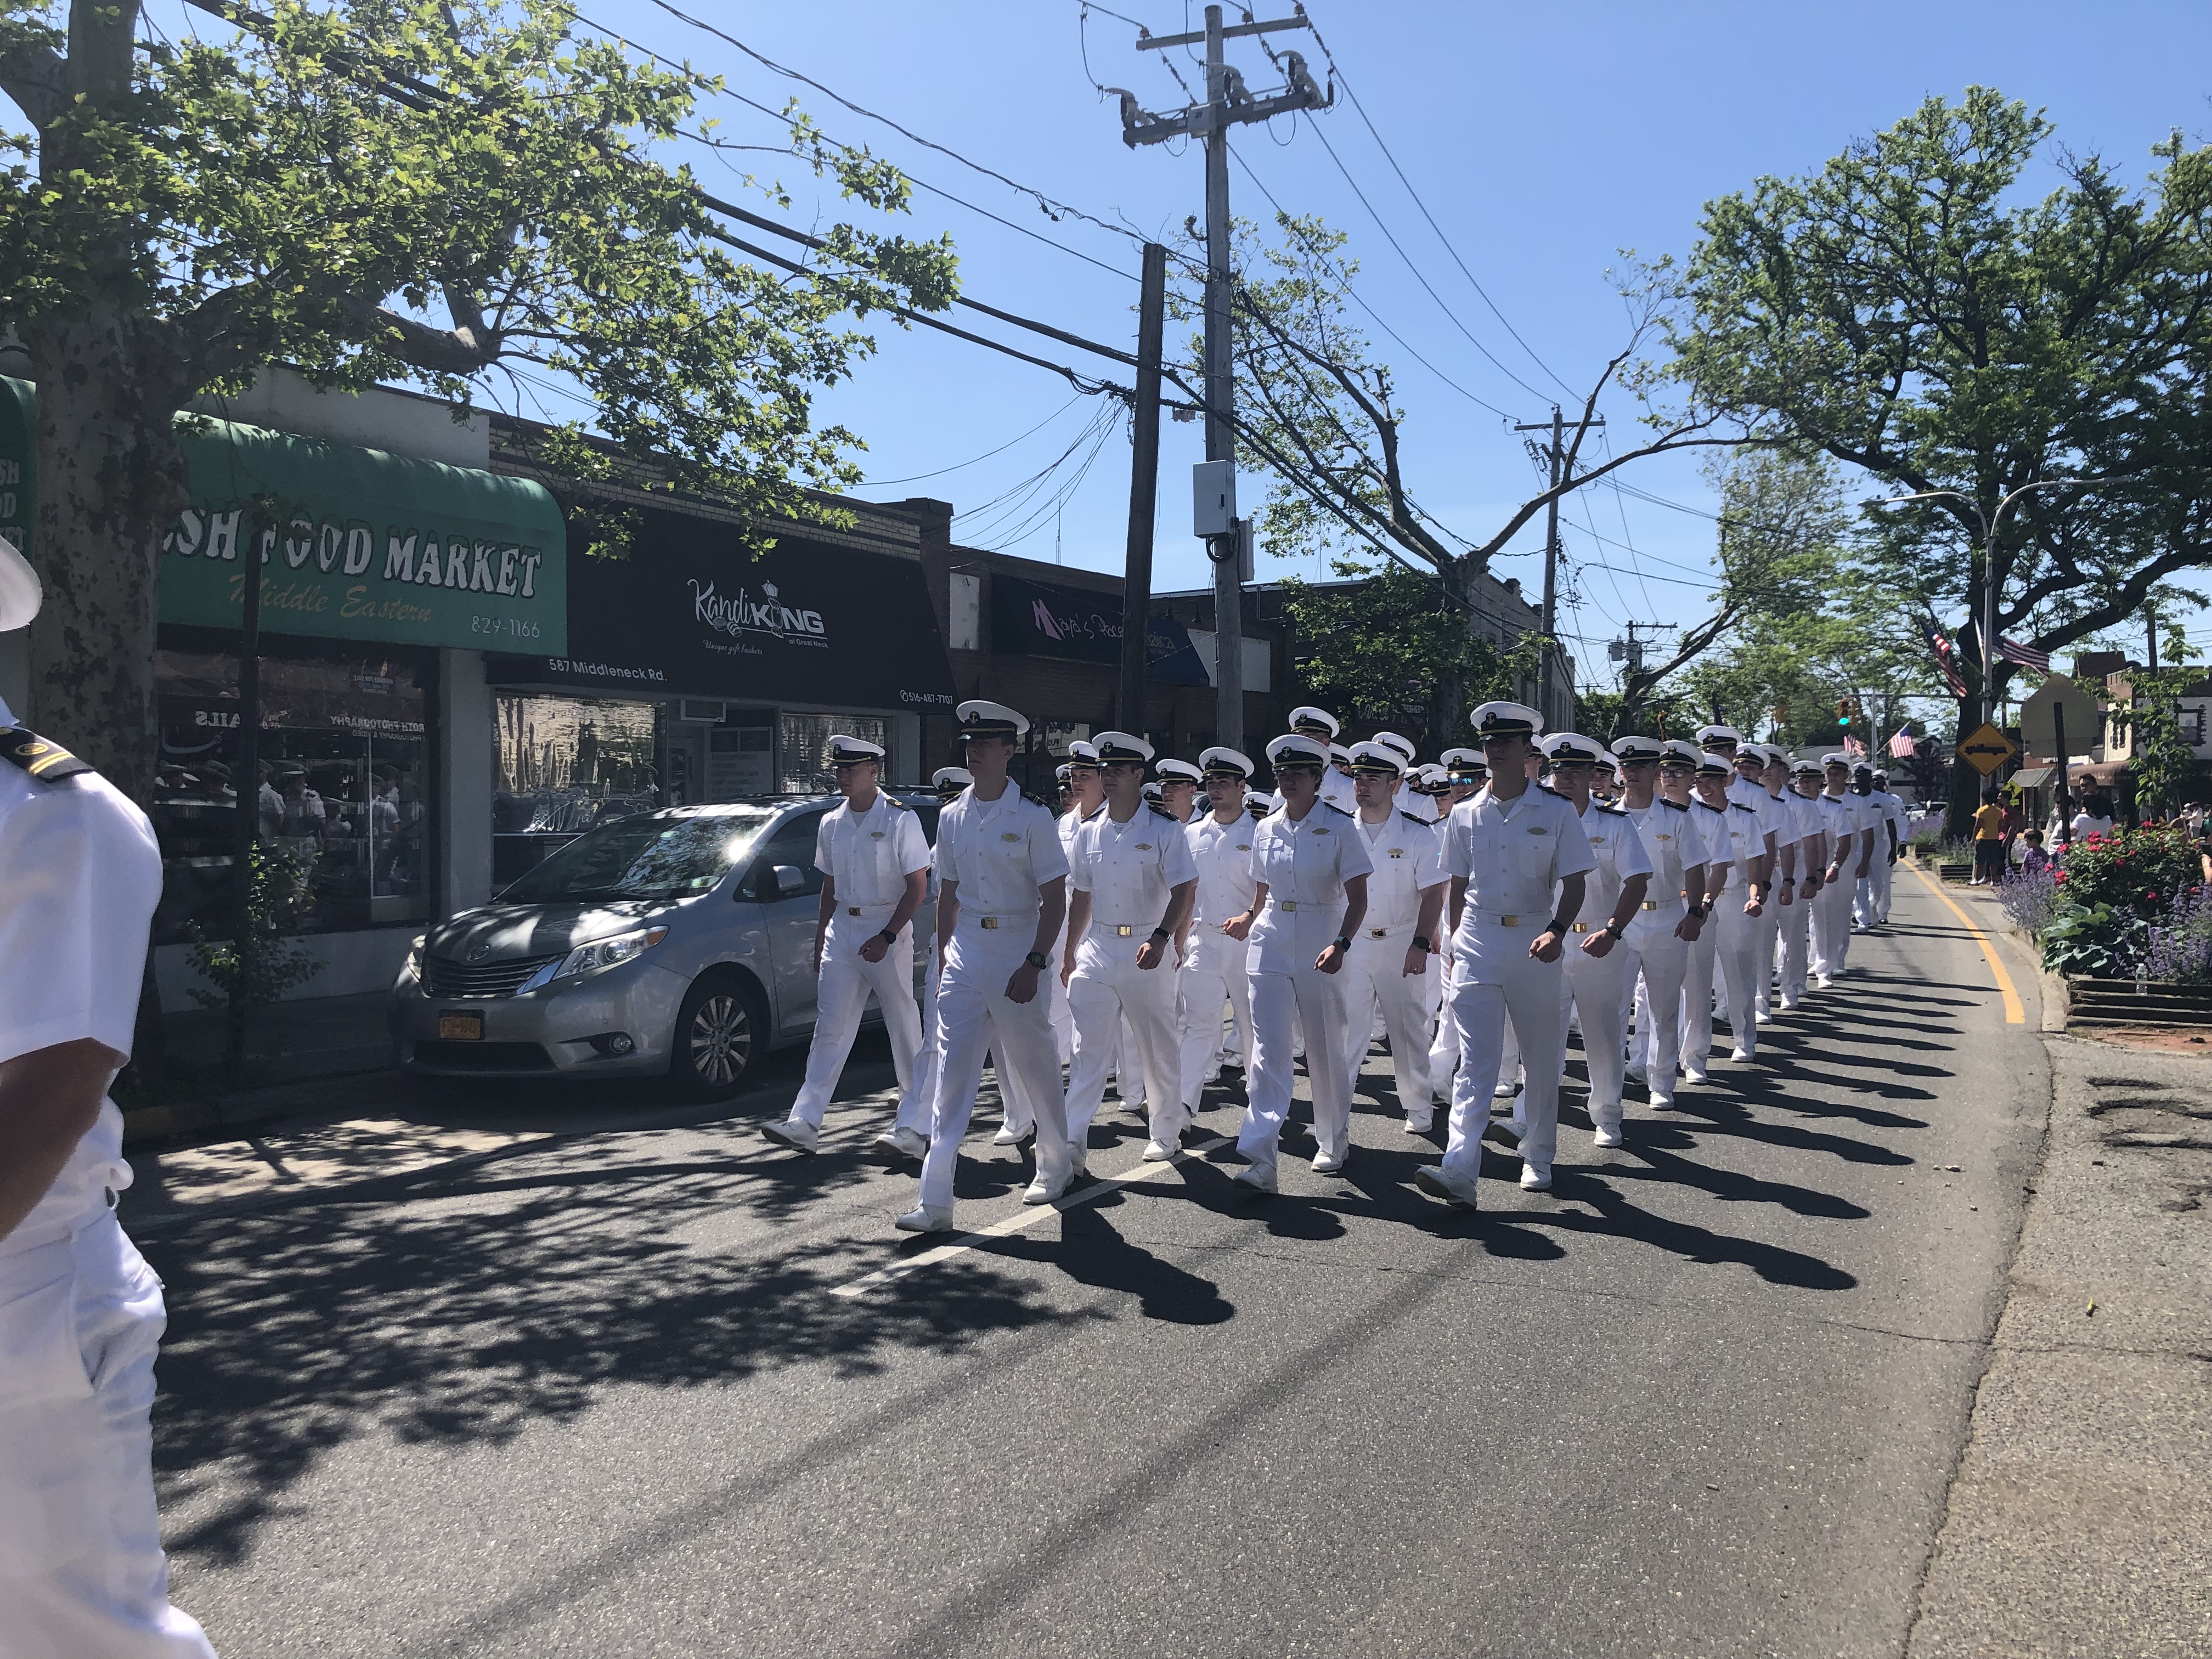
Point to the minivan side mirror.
(789, 879)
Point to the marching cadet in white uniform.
(82, 1571)
(1737, 906)
(1797, 920)
(1309, 875)
(1220, 843)
(948, 781)
(1851, 825)
(1598, 977)
(1336, 786)
(1387, 969)
(1707, 833)
(1672, 915)
(875, 866)
(1797, 821)
(1508, 851)
(1133, 879)
(1179, 783)
(1425, 792)
(1897, 832)
(1756, 765)
(1465, 773)
(1088, 799)
(1002, 899)
(1868, 897)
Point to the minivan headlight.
(608, 952)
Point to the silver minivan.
(675, 942)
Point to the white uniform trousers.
(1063, 1017)
(840, 995)
(1111, 996)
(82, 1571)
(1767, 957)
(1213, 976)
(1885, 882)
(1317, 999)
(1736, 937)
(1443, 1050)
(973, 1011)
(1795, 945)
(1831, 925)
(1659, 960)
(1696, 1010)
(1376, 985)
(1527, 992)
(1598, 988)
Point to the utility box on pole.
(1212, 498)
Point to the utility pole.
(1143, 488)
(1228, 103)
(1556, 453)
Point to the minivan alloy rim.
(721, 1038)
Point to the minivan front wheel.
(719, 1034)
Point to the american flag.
(1853, 746)
(2026, 656)
(1947, 660)
(1901, 746)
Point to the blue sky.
(1543, 139)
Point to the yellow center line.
(2014, 1014)
(1023, 1219)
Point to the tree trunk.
(1966, 782)
(110, 479)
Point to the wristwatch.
(1036, 959)
(1614, 928)
(1162, 932)
(1422, 939)
(888, 937)
(1697, 910)
(1341, 942)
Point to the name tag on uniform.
(1597, 840)
(1397, 851)
(875, 834)
(1010, 835)
(1538, 829)
(1244, 845)
(1666, 838)
(1144, 847)
(1320, 832)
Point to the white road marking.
(1027, 1217)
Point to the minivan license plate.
(460, 1028)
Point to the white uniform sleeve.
(1255, 861)
(1457, 853)
(823, 840)
(1572, 855)
(1351, 856)
(1078, 862)
(1176, 865)
(1429, 865)
(83, 875)
(1047, 863)
(1631, 857)
(947, 857)
(913, 845)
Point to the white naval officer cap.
(1831, 758)
(1339, 754)
(20, 592)
(1150, 792)
(1295, 748)
(1678, 753)
(1404, 745)
(1710, 765)
(1307, 715)
(1505, 719)
(1122, 746)
(1757, 753)
(1063, 773)
(1377, 759)
(1637, 747)
(1805, 769)
(1572, 747)
(1710, 735)
(1178, 771)
(1465, 760)
(1080, 753)
(1432, 777)
(952, 780)
(1223, 762)
(850, 750)
(981, 717)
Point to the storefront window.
(343, 785)
(806, 748)
(562, 765)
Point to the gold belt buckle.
(1582, 926)
(1378, 932)
(988, 922)
(1509, 921)
(1286, 904)
(852, 910)
(1121, 932)
(1651, 904)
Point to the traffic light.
(1844, 712)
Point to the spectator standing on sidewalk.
(82, 1571)
(1989, 842)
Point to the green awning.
(356, 544)
(19, 446)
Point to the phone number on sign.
(515, 628)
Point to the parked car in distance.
(676, 943)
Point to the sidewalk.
(302, 1057)
(2077, 1523)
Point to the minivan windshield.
(655, 855)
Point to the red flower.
(2150, 898)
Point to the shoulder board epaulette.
(1741, 807)
(1334, 808)
(1547, 789)
(1411, 818)
(1035, 801)
(1677, 805)
(1614, 812)
(1709, 806)
(1159, 813)
(49, 762)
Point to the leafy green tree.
(423, 190)
(1905, 311)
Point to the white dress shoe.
(1010, 1136)
(902, 1143)
(1535, 1179)
(1420, 1123)
(1159, 1151)
(1694, 1074)
(1661, 1103)
(1079, 1166)
(1042, 1191)
(1741, 1054)
(1635, 1071)
(795, 1133)
(1822, 982)
(925, 1220)
(1788, 1004)
(1605, 1134)
(1439, 1182)
(1328, 1164)
(1505, 1090)
(1260, 1177)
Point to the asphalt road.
(605, 1395)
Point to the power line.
(917, 477)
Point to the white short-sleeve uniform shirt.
(1001, 853)
(869, 854)
(1305, 865)
(1734, 834)
(1672, 844)
(1129, 868)
(83, 873)
(1512, 855)
(1618, 849)
(1408, 855)
(1222, 855)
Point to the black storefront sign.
(1043, 619)
(691, 613)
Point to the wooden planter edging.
(1955, 872)
(2092, 1003)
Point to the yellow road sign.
(1987, 749)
